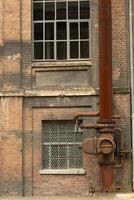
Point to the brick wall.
(22, 104)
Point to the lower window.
(61, 145)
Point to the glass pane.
(61, 31)
(49, 11)
(54, 163)
(63, 163)
(73, 30)
(46, 163)
(78, 163)
(62, 151)
(73, 10)
(38, 11)
(54, 151)
(84, 30)
(84, 49)
(84, 10)
(71, 151)
(78, 152)
(61, 10)
(38, 31)
(71, 163)
(38, 50)
(61, 50)
(49, 50)
(78, 137)
(49, 31)
(74, 52)
(45, 151)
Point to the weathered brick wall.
(11, 145)
(20, 113)
(120, 43)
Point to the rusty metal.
(96, 126)
(107, 184)
(85, 114)
(106, 146)
(105, 60)
(89, 145)
(105, 91)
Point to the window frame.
(59, 170)
(68, 40)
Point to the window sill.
(62, 171)
(62, 63)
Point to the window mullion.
(55, 31)
(44, 42)
(68, 31)
(79, 28)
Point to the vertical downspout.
(105, 60)
(131, 33)
(105, 92)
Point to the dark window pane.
(74, 52)
(61, 31)
(84, 49)
(84, 10)
(61, 10)
(38, 31)
(73, 30)
(49, 50)
(49, 31)
(38, 11)
(61, 50)
(84, 30)
(38, 50)
(49, 11)
(73, 10)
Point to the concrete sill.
(62, 64)
(62, 171)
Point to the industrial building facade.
(48, 73)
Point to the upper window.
(61, 29)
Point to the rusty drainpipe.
(105, 91)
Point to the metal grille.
(61, 146)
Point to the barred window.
(61, 29)
(61, 146)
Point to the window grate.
(61, 146)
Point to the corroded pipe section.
(105, 88)
(105, 60)
(85, 114)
